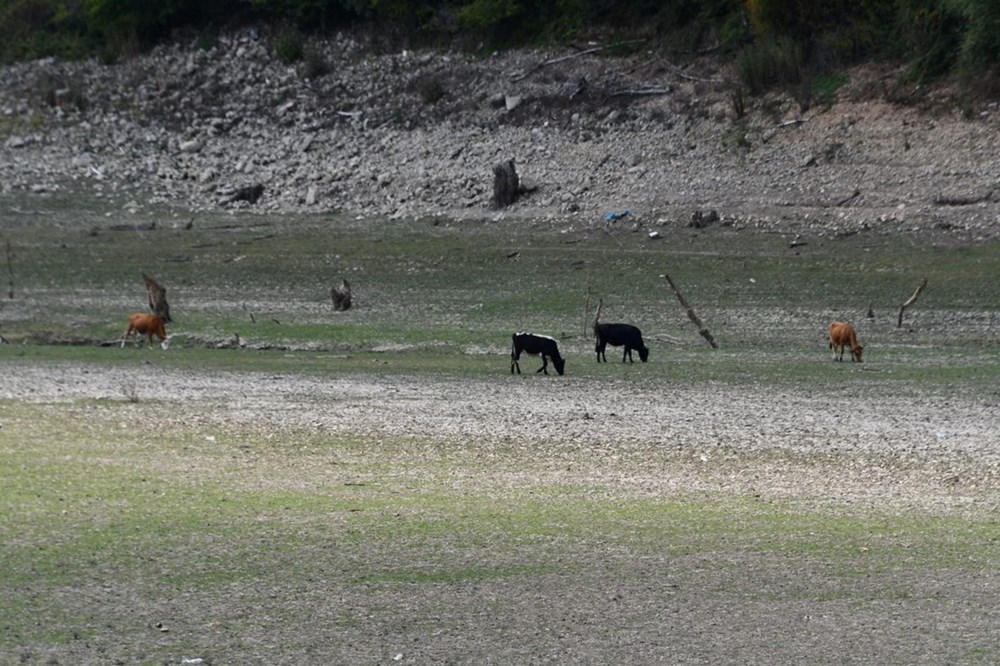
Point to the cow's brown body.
(842, 336)
(148, 325)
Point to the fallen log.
(944, 200)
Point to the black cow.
(535, 345)
(618, 335)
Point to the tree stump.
(250, 194)
(341, 296)
(506, 184)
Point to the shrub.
(981, 41)
(314, 65)
(932, 33)
(288, 46)
(770, 62)
(431, 90)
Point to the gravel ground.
(880, 450)
(874, 447)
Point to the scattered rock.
(197, 115)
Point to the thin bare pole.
(10, 272)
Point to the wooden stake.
(910, 301)
(10, 272)
(586, 303)
(691, 314)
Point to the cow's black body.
(536, 345)
(619, 335)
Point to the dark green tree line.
(777, 42)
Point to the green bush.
(775, 42)
(981, 40)
(289, 46)
(771, 62)
(931, 34)
(431, 89)
(313, 64)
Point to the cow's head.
(560, 364)
(857, 353)
(643, 354)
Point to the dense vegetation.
(774, 41)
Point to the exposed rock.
(361, 138)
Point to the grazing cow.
(842, 335)
(540, 345)
(619, 335)
(148, 325)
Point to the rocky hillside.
(417, 133)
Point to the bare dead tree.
(910, 301)
(506, 184)
(157, 299)
(341, 296)
(691, 314)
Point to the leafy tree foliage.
(775, 42)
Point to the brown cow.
(842, 335)
(148, 325)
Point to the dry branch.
(854, 195)
(553, 61)
(679, 72)
(586, 303)
(691, 314)
(642, 90)
(910, 301)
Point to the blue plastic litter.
(614, 217)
